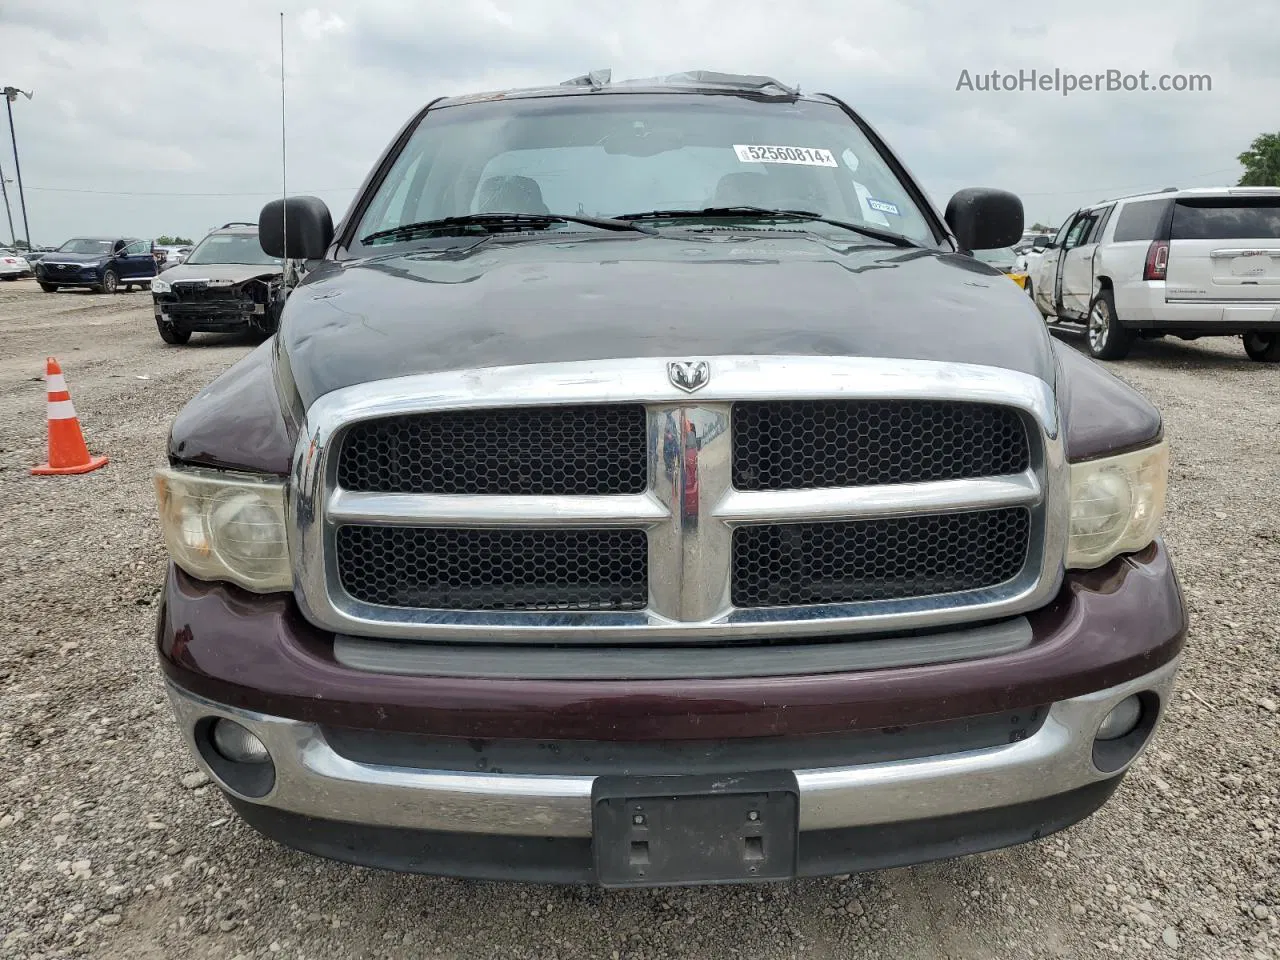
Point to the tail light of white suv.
(1157, 264)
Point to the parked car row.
(1188, 263)
(223, 283)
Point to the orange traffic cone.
(67, 452)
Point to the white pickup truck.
(1191, 263)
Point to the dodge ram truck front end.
(663, 556)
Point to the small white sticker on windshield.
(809, 156)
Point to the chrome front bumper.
(313, 780)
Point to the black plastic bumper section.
(570, 859)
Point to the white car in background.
(13, 265)
(174, 255)
(1191, 263)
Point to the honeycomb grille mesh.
(901, 557)
(468, 569)
(799, 445)
(550, 451)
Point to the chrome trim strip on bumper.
(313, 780)
(690, 508)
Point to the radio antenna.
(284, 163)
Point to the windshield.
(1000, 257)
(86, 246)
(231, 248)
(612, 155)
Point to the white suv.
(1192, 263)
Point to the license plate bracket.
(682, 831)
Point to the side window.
(1140, 220)
(1095, 235)
(136, 249)
(1059, 238)
(1079, 230)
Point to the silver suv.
(1192, 263)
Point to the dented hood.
(459, 304)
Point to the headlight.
(159, 286)
(1116, 503)
(225, 527)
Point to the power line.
(126, 193)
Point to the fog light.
(1122, 719)
(237, 744)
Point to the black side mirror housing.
(985, 219)
(309, 228)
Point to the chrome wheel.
(1099, 326)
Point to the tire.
(171, 334)
(48, 287)
(110, 283)
(1107, 339)
(1263, 347)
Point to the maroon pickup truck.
(646, 485)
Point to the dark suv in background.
(103, 264)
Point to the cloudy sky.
(153, 118)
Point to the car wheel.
(1263, 347)
(110, 283)
(1107, 339)
(171, 334)
(48, 287)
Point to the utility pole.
(10, 95)
(7, 209)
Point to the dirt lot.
(111, 846)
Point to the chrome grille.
(805, 445)
(494, 569)
(810, 563)
(546, 450)
(523, 504)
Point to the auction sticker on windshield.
(809, 156)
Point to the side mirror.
(307, 222)
(985, 219)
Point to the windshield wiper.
(767, 213)
(497, 221)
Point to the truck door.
(1077, 287)
(1075, 266)
(1045, 283)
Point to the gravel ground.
(112, 845)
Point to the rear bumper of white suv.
(1144, 306)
